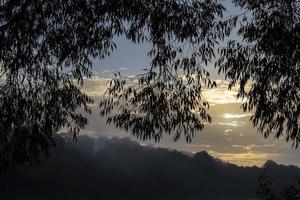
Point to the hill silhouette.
(123, 169)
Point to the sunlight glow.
(227, 131)
(233, 124)
(235, 116)
(244, 159)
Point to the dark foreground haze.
(122, 169)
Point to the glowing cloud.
(244, 159)
(227, 131)
(221, 94)
(252, 146)
(235, 116)
(233, 124)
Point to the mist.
(116, 168)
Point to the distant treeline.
(122, 169)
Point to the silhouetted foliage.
(47, 46)
(267, 191)
(116, 168)
(167, 98)
(39, 42)
(268, 59)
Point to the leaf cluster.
(268, 60)
(46, 51)
(167, 98)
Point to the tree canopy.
(168, 96)
(47, 47)
(268, 59)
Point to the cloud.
(199, 145)
(253, 146)
(220, 95)
(229, 127)
(123, 68)
(235, 116)
(227, 131)
(233, 124)
(95, 87)
(245, 159)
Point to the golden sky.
(230, 137)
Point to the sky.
(230, 137)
